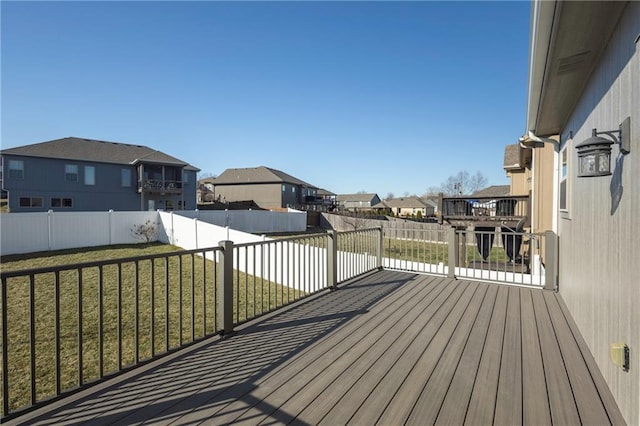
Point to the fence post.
(225, 288)
(551, 260)
(332, 261)
(380, 248)
(452, 239)
(195, 230)
(50, 230)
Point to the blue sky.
(348, 96)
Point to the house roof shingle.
(493, 191)
(80, 149)
(259, 174)
(512, 157)
(356, 197)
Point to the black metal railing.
(159, 185)
(468, 209)
(66, 327)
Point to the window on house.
(71, 172)
(564, 178)
(16, 169)
(62, 202)
(30, 202)
(168, 205)
(185, 176)
(125, 177)
(293, 189)
(89, 175)
(284, 188)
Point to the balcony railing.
(70, 326)
(483, 211)
(161, 186)
(66, 327)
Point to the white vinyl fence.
(34, 232)
(46, 231)
(252, 221)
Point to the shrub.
(146, 232)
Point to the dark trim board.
(389, 348)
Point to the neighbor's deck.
(389, 348)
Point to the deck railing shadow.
(198, 383)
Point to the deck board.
(535, 410)
(508, 403)
(457, 398)
(561, 401)
(388, 348)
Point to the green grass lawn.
(178, 290)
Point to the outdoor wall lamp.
(594, 154)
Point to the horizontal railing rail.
(152, 185)
(69, 326)
(488, 209)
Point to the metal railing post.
(332, 261)
(452, 239)
(225, 288)
(380, 247)
(551, 260)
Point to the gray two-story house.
(75, 174)
(268, 188)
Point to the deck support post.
(380, 248)
(461, 243)
(551, 260)
(452, 239)
(225, 288)
(332, 261)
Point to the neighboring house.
(517, 165)
(537, 182)
(75, 174)
(268, 188)
(357, 202)
(328, 198)
(495, 191)
(584, 75)
(406, 207)
(432, 202)
(205, 192)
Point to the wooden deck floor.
(390, 348)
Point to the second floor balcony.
(160, 186)
(484, 211)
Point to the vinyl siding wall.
(599, 238)
(266, 196)
(45, 178)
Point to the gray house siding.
(599, 233)
(46, 179)
(265, 195)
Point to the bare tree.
(432, 191)
(205, 175)
(146, 232)
(463, 183)
(389, 196)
